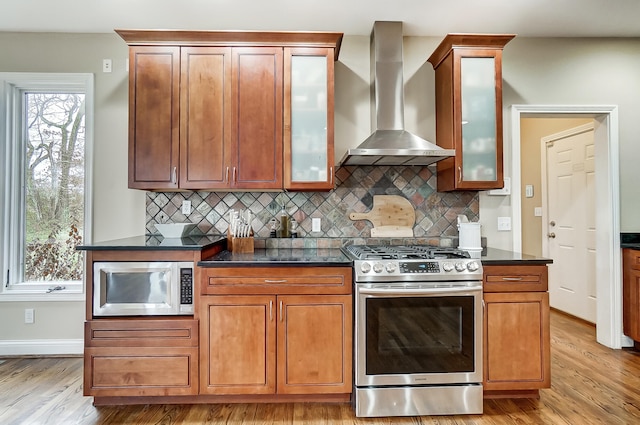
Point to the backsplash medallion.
(436, 212)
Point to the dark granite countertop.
(500, 257)
(630, 240)
(282, 257)
(157, 243)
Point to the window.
(45, 183)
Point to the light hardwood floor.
(591, 384)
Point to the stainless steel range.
(418, 331)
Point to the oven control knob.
(472, 266)
(447, 266)
(460, 267)
(378, 267)
(365, 267)
(391, 267)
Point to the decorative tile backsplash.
(436, 212)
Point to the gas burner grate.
(403, 252)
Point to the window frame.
(12, 87)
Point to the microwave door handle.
(400, 292)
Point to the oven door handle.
(401, 292)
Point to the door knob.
(551, 235)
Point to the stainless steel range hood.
(390, 143)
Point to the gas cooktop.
(410, 263)
(403, 252)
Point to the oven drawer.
(515, 278)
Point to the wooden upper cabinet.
(308, 117)
(205, 122)
(213, 109)
(154, 83)
(468, 77)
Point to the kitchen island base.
(222, 399)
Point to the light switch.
(528, 191)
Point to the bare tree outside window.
(54, 185)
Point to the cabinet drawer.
(141, 333)
(515, 278)
(140, 371)
(277, 280)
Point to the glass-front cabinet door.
(308, 117)
(478, 108)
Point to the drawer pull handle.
(512, 278)
(275, 281)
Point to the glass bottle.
(284, 223)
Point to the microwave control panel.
(186, 286)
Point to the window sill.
(20, 294)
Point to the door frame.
(609, 267)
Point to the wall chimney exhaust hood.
(390, 143)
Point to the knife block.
(240, 245)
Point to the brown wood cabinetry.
(208, 109)
(631, 294)
(154, 84)
(141, 358)
(276, 342)
(468, 70)
(517, 334)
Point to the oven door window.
(419, 335)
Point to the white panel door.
(571, 222)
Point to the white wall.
(535, 71)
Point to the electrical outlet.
(537, 212)
(29, 315)
(186, 207)
(504, 224)
(106, 65)
(316, 224)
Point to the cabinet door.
(517, 341)
(631, 293)
(479, 113)
(205, 109)
(257, 118)
(154, 83)
(314, 344)
(308, 117)
(238, 345)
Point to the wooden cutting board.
(390, 213)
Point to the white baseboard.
(42, 347)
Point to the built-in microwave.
(142, 288)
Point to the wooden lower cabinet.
(275, 344)
(517, 341)
(517, 360)
(141, 358)
(631, 294)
